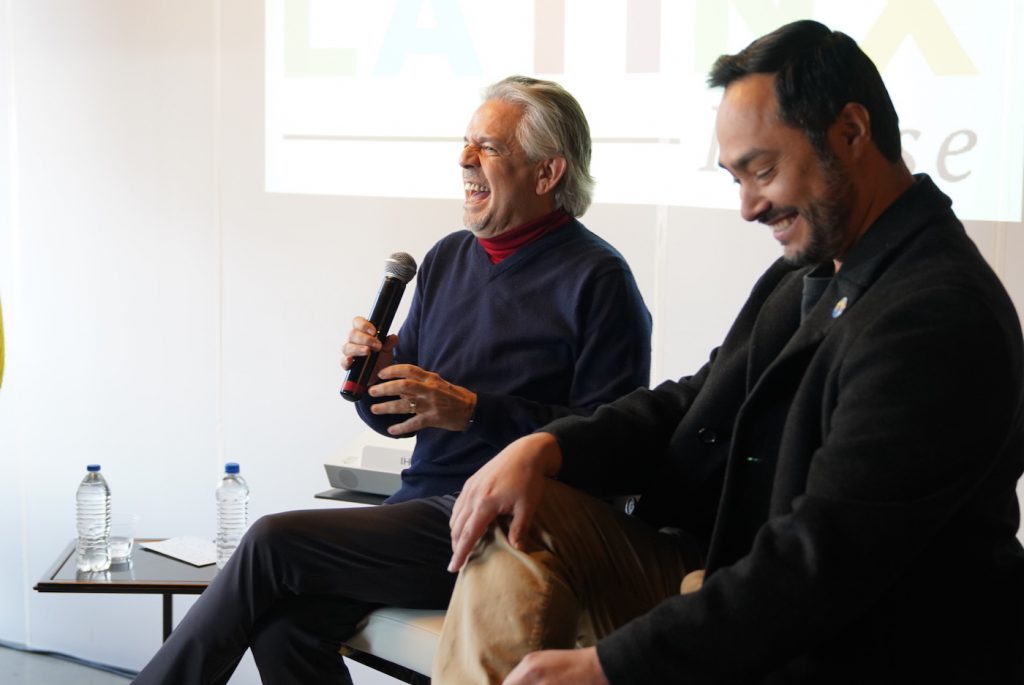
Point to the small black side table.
(148, 574)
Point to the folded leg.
(350, 559)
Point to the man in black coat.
(843, 468)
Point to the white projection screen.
(372, 98)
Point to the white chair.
(397, 642)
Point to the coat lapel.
(806, 337)
(774, 327)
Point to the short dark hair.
(818, 72)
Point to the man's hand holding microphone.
(368, 357)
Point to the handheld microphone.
(399, 269)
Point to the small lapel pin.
(840, 307)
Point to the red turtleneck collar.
(504, 245)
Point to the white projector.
(377, 469)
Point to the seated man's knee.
(271, 530)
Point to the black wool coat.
(852, 475)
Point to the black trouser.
(298, 585)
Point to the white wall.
(164, 314)
(110, 284)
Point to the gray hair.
(553, 124)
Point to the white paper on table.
(191, 550)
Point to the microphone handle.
(383, 314)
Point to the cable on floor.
(115, 670)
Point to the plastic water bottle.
(93, 517)
(232, 512)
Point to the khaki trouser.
(584, 570)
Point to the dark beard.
(827, 218)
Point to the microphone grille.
(401, 266)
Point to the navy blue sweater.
(556, 329)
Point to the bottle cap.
(231, 467)
(92, 468)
